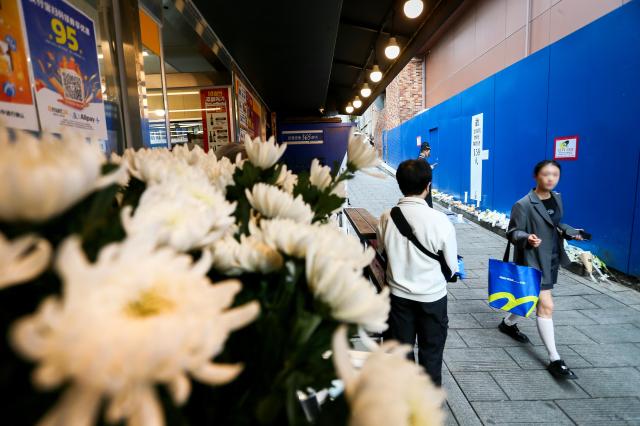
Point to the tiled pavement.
(491, 379)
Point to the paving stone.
(493, 319)
(629, 297)
(603, 300)
(505, 412)
(533, 385)
(454, 340)
(468, 306)
(609, 382)
(619, 315)
(537, 358)
(486, 338)
(573, 289)
(564, 334)
(460, 407)
(610, 355)
(450, 419)
(463, 321)
(615, 333)
(478, 359)
(479, 386)
(463, 293)
(566, 303)
(571, 318)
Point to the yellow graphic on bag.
(512, 302)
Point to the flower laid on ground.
(389, 389)
(183, 214)
(234, 257)
(263, 154)
(360, 154)
(272, 202)
(320, 176)
(42, 178)
(22, 259)
(137, 318)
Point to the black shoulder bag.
(405, 229)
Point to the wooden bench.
(364, 223)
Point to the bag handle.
(405, 229)
(507, 252)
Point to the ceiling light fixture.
(349, 108)
(413, 8)
(365, 91)
(160, 112)
(376, 74)
(357, 103)
(392, 50)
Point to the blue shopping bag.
(513, 288)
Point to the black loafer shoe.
(559, 370)
(513, 332)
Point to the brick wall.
(403, 100)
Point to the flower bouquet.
(172, 287)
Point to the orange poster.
(17, 108)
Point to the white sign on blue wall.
(302, 137)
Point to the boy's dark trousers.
(426, 320)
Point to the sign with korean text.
(475, 185)
(216, 117)
(64, 60)
(249, 111)
(302, 137)
(17, 107)
(566, 148)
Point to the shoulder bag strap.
(405, 229)
(507, 252)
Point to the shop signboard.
(302, 137)
(249, 111)
(566, 148)
(64, 59)
(216, 117)
(17, 107)
(475, 185)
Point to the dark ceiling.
(303, 55)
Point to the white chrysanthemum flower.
(350, 297)
(331, 241)
(137, 318)
(263, 154)
(272, 202)
(183, 214)
(154, 166)
(42, 178)
(360, 154)
(287, 180)
(340, 190)
(249, 255)
(320, 176)
(287, 236)
(389, 389)
(22, 259)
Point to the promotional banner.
(216, 117)
(249, 111)
(17, 108)
(64, 58)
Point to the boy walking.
(421, 249)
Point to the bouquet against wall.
(172, 287)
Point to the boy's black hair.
(413, 176)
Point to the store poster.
(249, 112)
(64, 58)
(17, 108)
(216, 117)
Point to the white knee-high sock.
(510, 319)
(545, 328)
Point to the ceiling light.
(160, 112)
(145, 53)
(357, 103)
(365, 91)
(413, 8)
(349, 108)
(392, 50)
(376, 74)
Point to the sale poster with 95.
(64, 60)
